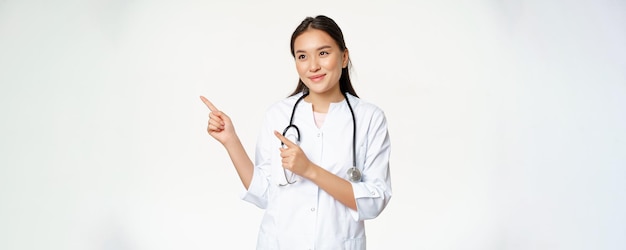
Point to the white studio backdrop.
(507, 119)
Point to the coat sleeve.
(257, 192)
(373, 193)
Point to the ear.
(345, 59)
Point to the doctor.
(322, 156)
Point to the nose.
(314, 64)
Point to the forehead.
(312, 39)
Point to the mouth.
(317, 78)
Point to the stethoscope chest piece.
(354, 175)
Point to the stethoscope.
(354, 174)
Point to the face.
(319, 62)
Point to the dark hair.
(329, 26)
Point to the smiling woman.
(507, 120)
(320, 62)
(317, 190)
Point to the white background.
(507, 119)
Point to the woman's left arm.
(296, 161)
(373, 192)
(366, 198)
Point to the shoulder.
(365, 107)
(368, 114)
(283, 104)
(281, 109)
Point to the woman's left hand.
(294, 158)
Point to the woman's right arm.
(221, 128)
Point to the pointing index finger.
(208, 103)
(283, 139)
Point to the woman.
(329, 169)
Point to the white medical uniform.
(302, 215)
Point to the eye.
(324, 53)
(301, 57)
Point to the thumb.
(223, 115)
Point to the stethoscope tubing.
(353, 173)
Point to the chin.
(317, 89)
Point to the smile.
(317, 78)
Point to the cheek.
(301, 68)
(330, 64)
(333, 64)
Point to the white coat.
(301, 215)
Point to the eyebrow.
(318, 49)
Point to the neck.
(321, 102)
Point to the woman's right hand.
(219, 126)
